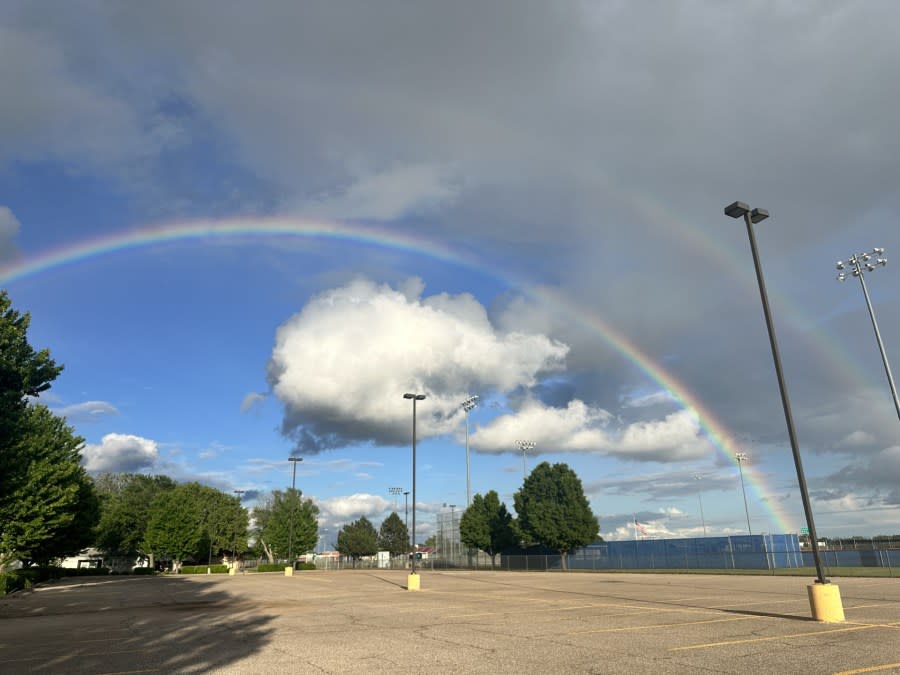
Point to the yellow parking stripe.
(870, 669)
(783, 636)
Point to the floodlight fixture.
(737, 209)
(758, 215)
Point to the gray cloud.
(594, 143)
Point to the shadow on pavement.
(168, 624)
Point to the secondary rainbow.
(714, 429)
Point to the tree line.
(552, 511)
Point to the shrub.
(307, 566)
(18, 579)
(143, 570)
(276, 567)
(201, 569)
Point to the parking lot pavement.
(460, 622)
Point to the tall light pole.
(406, 509)
(234, 543)
(742, 457)
(700, 499)
(524, 446)
(738, 210)
(468, 405)
(859, 264)
(293, 461)
(414, 398)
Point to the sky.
(246, 233)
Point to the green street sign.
(804, 530)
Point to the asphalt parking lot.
(460, 622)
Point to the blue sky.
(574, 160)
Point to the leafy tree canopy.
(23, 371)
(125, 501)
(553, 511)
(487, 525)
(275, 535)
(358, 539)
(393, 535)
(175, 524)
(48, 507)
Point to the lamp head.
(416, 397)
(758, 215)
(737, 209)
(840, 264)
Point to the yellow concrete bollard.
(288, 571)
(232, 570)
(825, 603)
(412, 582)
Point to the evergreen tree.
(393, 535)
(357, 539)
(553, 511)
(487, 525)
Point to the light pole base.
(825, 602)
(413, 582)
(232, 570)
(289, 571)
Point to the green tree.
(393, 536)
(41, 480)
(357, 539)
(23, 372)
(125, 501)
(487, 525)
(553, 511)
(174, 525)
(48, 507)
(273, 525)
(223, 521)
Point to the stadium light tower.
(412, 583)
(825, 601)
(859, 264)
(396, 491)
(525, 446)
(742, 457)
(700, 499)
(468, 405)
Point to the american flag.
(640, 528)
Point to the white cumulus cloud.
(581, 427)
(354, 506)
(342, 365)
(120, 452)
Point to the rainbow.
(713, 428)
